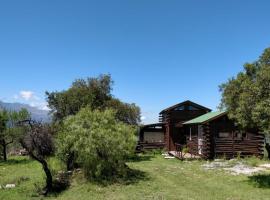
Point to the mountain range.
(36, 114)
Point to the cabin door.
(177, 136)
(200, 139)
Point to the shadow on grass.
(141, 157)
(260, 180)
(132, 176)
(14, 161)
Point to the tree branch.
(9, 142)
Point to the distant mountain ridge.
(36, 114)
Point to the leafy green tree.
(98, 142)
(247, 96)
(125, 112)
(9, 131)
(94, 93)
(3, 136)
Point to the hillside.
(37, 114)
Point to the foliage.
(3, 120)
(252, 161)
(247, 96)
(94, 93)
(185, 149)
(99, 142)
(127, 113)
(9, 131)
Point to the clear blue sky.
(158, 52)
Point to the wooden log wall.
(167, 136)
(178, 116)
(192, 145)
(150, 146)
(207, 148)
(231, 147)
(251, 144)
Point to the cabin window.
(192, 108)
(152, 137)
(240, 135)
(224, 134)
(180, 108)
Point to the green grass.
(153, 178)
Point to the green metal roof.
(206, 117)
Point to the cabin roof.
(188, 102)
(206, 117)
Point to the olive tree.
(38, 141)
(9, 131)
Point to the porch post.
(167, 136)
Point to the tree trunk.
(47, 171)
(267, 147)
(4, 150)
(70, 162)
(49, 186)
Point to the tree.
(3, 137)
(247, 96)
(98, 142)
(125, 112)
(94, 93)
(38, 141)
(9, 132)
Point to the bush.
(97, 142)
(252, 161)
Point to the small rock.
(169, 157)
(69, 172)
(265, 165)
(9, 186)
(243, 169)
(218, 160)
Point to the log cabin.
(204, 133)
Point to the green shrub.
(100, 144)
(238, 157)
(185, 149)
(154, 151)
(252, 161)
(55, 165)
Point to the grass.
(152, 177)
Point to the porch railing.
(182, 150)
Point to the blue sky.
(158, 52)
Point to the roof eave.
(187, 101)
